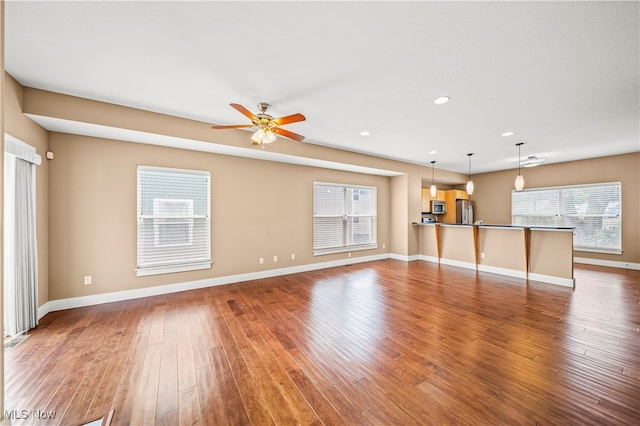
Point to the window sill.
(345, 249)
(596, 250)
(172, 269)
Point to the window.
(173, 220)
(344, 218)
(594, 210)
(177, 226)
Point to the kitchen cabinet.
(457, 194)
(450, 199)
(426, 198)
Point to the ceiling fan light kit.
(267, 126)
(262, 136)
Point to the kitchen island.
(534, 253)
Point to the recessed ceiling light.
(442, 100)
(509, 133)
(364, 133)
(433, 152)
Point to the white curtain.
(20, 247)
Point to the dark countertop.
(484, 225)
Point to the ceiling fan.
(267, 125)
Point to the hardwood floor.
(386, 342)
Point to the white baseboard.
(426, 258)
(458, 263)
(609, 263)
(44, 310)
(78, 302)
(565, 282)
(503, 271)
(404, 257)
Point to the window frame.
(559, 214)
(348, 219)
(145, 268)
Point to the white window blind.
(344, 218)
(173, 220)
(594, 210)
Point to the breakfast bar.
(542, 254)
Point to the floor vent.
(15, 341)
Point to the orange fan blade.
(244, 111)
(288, 134)
(236, 126)
(293, 118)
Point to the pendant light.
(519, 178)
(433, 189)
(470, 182)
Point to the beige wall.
(259, 209)
(551, 253)
(414, 206)
(428, 240)
(56, 105)
(399, 199)
(493, 194)
(19, 126)
(503, 248)
(457, 243)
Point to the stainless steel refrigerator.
(464, 212)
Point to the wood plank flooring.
(385, 342)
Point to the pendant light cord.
(519, 145)
(433, 179)
(519, 179)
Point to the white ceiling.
(563, 75)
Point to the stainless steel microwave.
(438, 207)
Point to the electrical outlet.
(293, 256)
(275, 258)
(384, 245)
(87, 280)
(261, 260)
(482, 255)
(349, 254)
